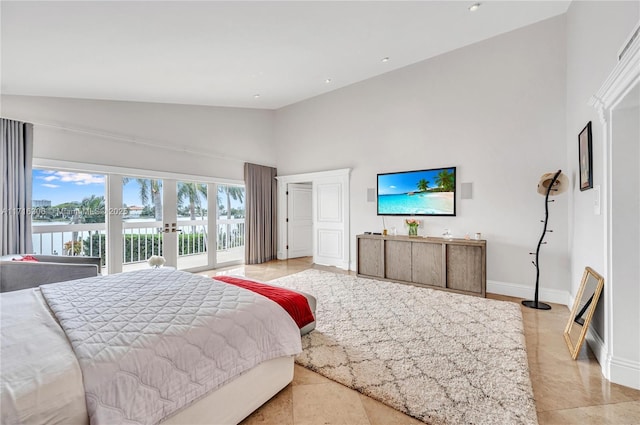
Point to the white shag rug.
(440, 357)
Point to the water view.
(416, 203)
(50, 239)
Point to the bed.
(50, 350)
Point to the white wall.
(625, 230)
(197, 140)
(494, 109)
(595, 33)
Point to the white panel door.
(299, 221)
(330, 202)
(329, 213)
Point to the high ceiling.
(263, 54)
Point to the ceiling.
(261, 54)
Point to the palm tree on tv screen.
(444, 180)
(423, 185)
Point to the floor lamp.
(550, 184)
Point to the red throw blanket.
(30, 258)
(293, 302)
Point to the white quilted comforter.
(152, 341)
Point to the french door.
(127, 218)
(171, 218)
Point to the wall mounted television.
(422, 192)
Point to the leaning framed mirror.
(583, 309)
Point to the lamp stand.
(535, 303)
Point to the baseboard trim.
(525, 291)
(599, 350)
(520, 291)
(619, 371)
(625, 372)
(338, 264)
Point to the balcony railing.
(51, 238)
(140, 240)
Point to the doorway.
(299, 220)
(330, 234)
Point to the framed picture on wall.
(585, 158)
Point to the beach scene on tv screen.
(417, 192)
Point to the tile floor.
(566, 391)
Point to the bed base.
(237, 399)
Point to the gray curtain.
(261, 236)
(15, 178)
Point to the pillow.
(26, 258)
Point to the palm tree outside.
(229, 192)
(90, 210)
(148, 187)
(194, 193)
(93, 209)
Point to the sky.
(397, 183)
(65, 186)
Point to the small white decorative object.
(156, 261)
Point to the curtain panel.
(16, 155)
(261, 237)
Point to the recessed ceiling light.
(474, 7)
(255, 96)
(328, 80)
(385, 59)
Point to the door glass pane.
(68, 213)
(141, 221)
(231, 214)
(192, 225)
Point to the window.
(68, 213)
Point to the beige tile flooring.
(566, 391)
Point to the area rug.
(440, 357)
